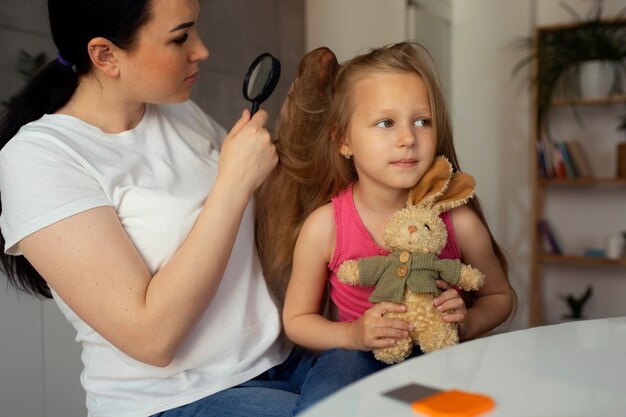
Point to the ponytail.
(44, 94)
(291, 191)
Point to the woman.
(130, 207)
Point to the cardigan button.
(402, 271)
(404, 256)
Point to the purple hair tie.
(63, 61)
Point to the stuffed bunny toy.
(415, 236)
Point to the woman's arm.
(303, 322)
(494, 301)
(91, 263)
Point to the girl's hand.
(451, 305)
(248, 154)
(372, 330)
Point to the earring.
(347, 156)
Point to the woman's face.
(163, 65)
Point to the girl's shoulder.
(321, 216)
(320, 224)
(318, 232)
(468, 227)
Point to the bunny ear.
(460, 189)
(432, 184)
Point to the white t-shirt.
(157, 177)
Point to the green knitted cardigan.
(422, 270)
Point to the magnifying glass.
(260, 80)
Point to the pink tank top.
(354, 241)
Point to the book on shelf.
(570, 169)
(579, 158)
(562, 159)
(547, 147)
(544, 159)
(557, 161)
(552, 243)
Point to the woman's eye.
(427, 227)
(385, 123)
(182, 39)
(422, 122)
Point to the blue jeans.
(335, 369)
(274, 393)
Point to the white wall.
(491, 123)
(39, 360)
(349, 27)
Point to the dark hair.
(73, 24)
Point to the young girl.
(384, 123)
(132, 208)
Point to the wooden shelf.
(580, 260)
(581, 181)
(601, 101)
(543, 189)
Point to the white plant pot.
(596, 79)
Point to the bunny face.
(416, 229)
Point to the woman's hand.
(248, 154)
(451, 305)
(372, 330)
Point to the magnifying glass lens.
(261, 79)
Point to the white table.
(573, 369)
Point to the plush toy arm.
(365, 271)
(371, 269)
(471, 278)
(349, 272)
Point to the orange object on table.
(453, 403)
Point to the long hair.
(73, 23)
(285, 198)
(313, 121)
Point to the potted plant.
(564, 54)
(576, 304)
(28, 66)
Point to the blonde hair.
(315, 118)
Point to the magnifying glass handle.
(255, 107)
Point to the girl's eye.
(385, 123)
(182, 39)
(422, 122)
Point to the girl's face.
(163, 66)
(390, 136)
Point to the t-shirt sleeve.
(41, 183)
